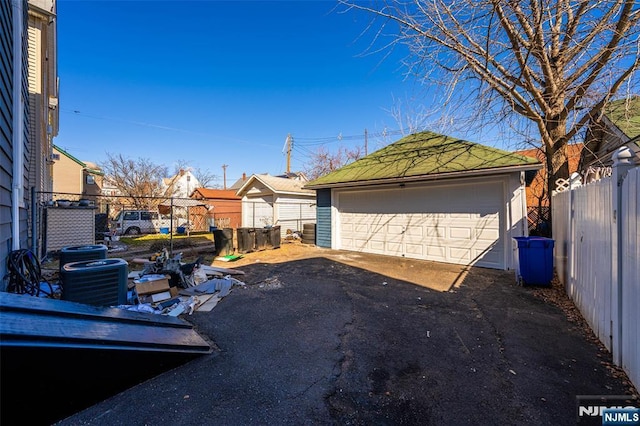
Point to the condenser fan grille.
(95, 282)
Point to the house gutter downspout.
(17, 190)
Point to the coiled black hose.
(25, 275)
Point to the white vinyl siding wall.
(257, 212)
(466, 221)
(292, 212)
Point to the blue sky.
(212, 83)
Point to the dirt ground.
(433, 275)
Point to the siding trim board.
(323, 218)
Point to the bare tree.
(555, 63)
(205, 177)
(322, 161)
(139, 181)
(411, 116)
(180, 165)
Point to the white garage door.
(447, 223)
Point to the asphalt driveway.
(320, 341)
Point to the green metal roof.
(626, 116)
(423, 155)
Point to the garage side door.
(447, 223)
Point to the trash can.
(261, 238)
(246, 239)
(181, 229)
(223, 240)
(267, 237)
(535, 260)
(274, 236)
(309, 233)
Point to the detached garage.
(279, 201)
(427, 196)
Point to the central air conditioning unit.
(95, 282)
(79, 253)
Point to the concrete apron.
(433, 275)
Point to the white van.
(134, 222)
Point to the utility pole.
(224, 174)
(365, 142)
(289, 149)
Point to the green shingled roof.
(626, 116)
(423, 154)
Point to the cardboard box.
(151, 284)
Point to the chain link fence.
(65, 219)
(289, 216)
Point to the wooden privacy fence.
(597, 256)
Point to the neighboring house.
(72, 176)
(238, 184)
(538, 213)
(291, 175)
(427, 196)
(109, 188)
(269, 200)
(226, 211)
(295, 176)
(182, 184)
(618, 126)
(43, 92)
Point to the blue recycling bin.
(535, 260)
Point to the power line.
(309, 141)
(161, 127)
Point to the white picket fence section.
(597, 258)
(583, 251)
(630, 259)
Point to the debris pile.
(270, 283)
(168, 286)
(292, 235)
